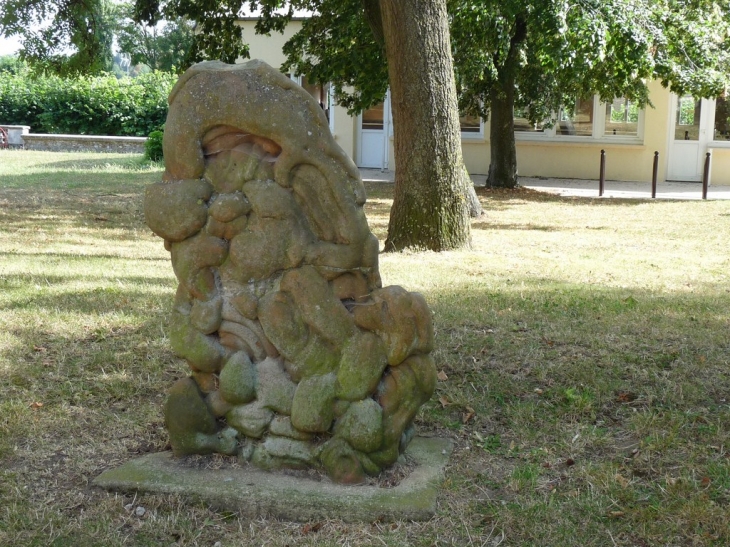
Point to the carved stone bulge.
(299, 357)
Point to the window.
(622, 118)
(722, 119)
(471, 125)
(687, 126)
(523, 125)
(321, 94)
(373, 117)
(315, 90)
(578, 120)
(618, 121)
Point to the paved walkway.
(589, 188)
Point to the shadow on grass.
(88, 256)
(116, 207)
(85, 347)
(501, 347)
(93, 181)
(380, 195)
(598, 358)
(502, 195)
(131, 162)
(485, 225)
(17, 281)
(514, 341)
(100, 300)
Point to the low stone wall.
(84, 143)
(16, 134)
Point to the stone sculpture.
(299, 357)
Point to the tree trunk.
(503, 159)
(430, 206)
(475, 206)
(503, 162)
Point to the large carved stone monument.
(299, 357)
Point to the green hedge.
(99, 105)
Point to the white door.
(373, 136)
(691, 133)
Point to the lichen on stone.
(299, 357)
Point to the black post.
(602, 178)
(706, 176)
(654, 174)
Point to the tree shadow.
(487, 225)
(490, 196)
(92, 182)
(131, 162)
(534, 331)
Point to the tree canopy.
(541, 55)
(62, 36)
(70, 37)
(536, 55)
(355, 43)
(162, 46)
(421, 24)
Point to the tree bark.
(430, 206)
(503, 158)
(475, 206)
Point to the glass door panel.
(687, 121)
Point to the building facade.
(682, 129)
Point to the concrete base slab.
(254, 492)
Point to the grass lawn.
(583, 344)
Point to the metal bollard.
(706, 176)
(602, 177)
(654, 172)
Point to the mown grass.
(584, 345)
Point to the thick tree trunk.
(503, 162)
(430, 206)
(503, 159)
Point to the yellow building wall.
(476, 153)
(720, 167)
(548, 157)
(270, 50)
(581, 160)
(267, 48)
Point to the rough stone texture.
(255, 493)
(362, 425)
(299, 357)
(361, 367)
(192, 427)
(275, 389)
(250, 420)
(312, 407)
(83, 143)
(281, 426)
(238, 380)
(16, 134)
(179, 209)
(278, 452)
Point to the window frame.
(472, 135)
(715, 143)
(597, 134)
(330, 100)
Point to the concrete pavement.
(589, 188)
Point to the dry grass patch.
(583, 345)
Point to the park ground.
(590, 188)
(582, 348)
